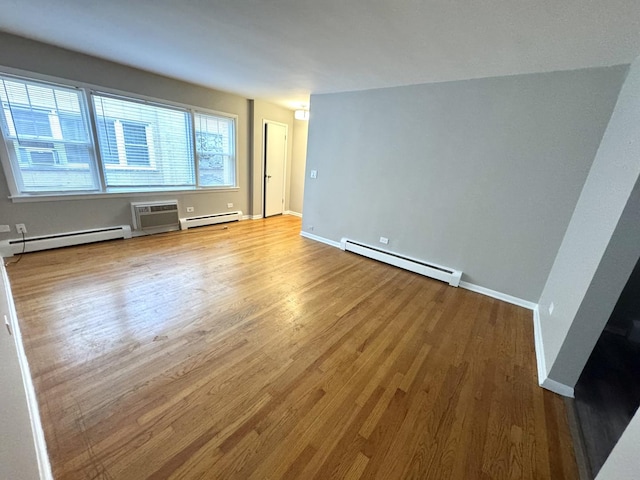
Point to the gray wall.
(601, 245)
(481, 175)
(44, 217)
(298, 164)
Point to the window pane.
(46, 133)
(144, 145)
(135, 144)
(215, 149)
(31, 123)
(72, 127)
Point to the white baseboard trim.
(317, 238)
(245, 217)
(466, 285)
(543, 380)
(291, 212)
(498, 295)
(539, 345)
(557, 387)
(257, 217)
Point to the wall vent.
(33, 244)
(200, 221)
(445, 274)
(155, 217)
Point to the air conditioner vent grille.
(155, 217)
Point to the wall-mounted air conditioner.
(155, 217)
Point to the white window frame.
(234, 141)
(15, 181)
(88, 89)
(121, 148)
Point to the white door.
(275, 137)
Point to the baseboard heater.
(202, 220)
(445, 274)
(66, 239)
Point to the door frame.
(265, 122)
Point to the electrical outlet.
(311, 228)
(5, 228)
(229, 205)
(21, 228)
(190, 209)
(551, 307)
(314, 174)
(384, 240)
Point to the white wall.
(624, 463)
(601, 245)
(480, 175)
(298, 164)
(18, 458)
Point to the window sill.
(47, 197)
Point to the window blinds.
(142, 144)
(46, 132)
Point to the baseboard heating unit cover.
(445, 274)
(212, 219)
(66, 239)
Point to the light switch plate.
(5, 228)
(314, 174)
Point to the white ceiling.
(283, 50)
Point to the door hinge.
(6, 322)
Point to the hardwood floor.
(249, 352)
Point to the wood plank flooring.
(248, 352)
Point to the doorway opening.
(275, 160)
(607, 394)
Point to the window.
(141, 145)
(146, 145)
(136, 149)
(124, 143)
(215, 150)
(46, 134)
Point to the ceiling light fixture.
(301, 115)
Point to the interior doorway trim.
(265, 122)
(543, 377)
